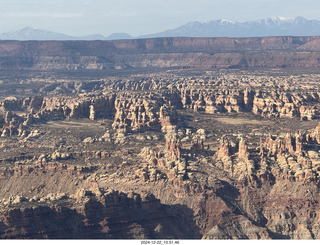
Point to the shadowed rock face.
(114, 216)
(267, 52)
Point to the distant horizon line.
(282, 18)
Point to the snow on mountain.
(29, 33)
(275, 26)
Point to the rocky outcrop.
(80, 107)
(135, 114)
(276, 104)
(114, 215)
(287, 157)
(284, 105)
(136, 111)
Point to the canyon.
(169, 138)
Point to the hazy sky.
(139, 17)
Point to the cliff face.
(114, 215)
(268, 52)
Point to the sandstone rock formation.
(220, 155)
(175, 52)
(140, 216)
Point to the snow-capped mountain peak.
(29, 33)
(227, 22)
(274, 26)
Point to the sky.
(141, 17)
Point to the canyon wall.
(207, 53)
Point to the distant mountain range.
(29, 33)
(276, 26)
